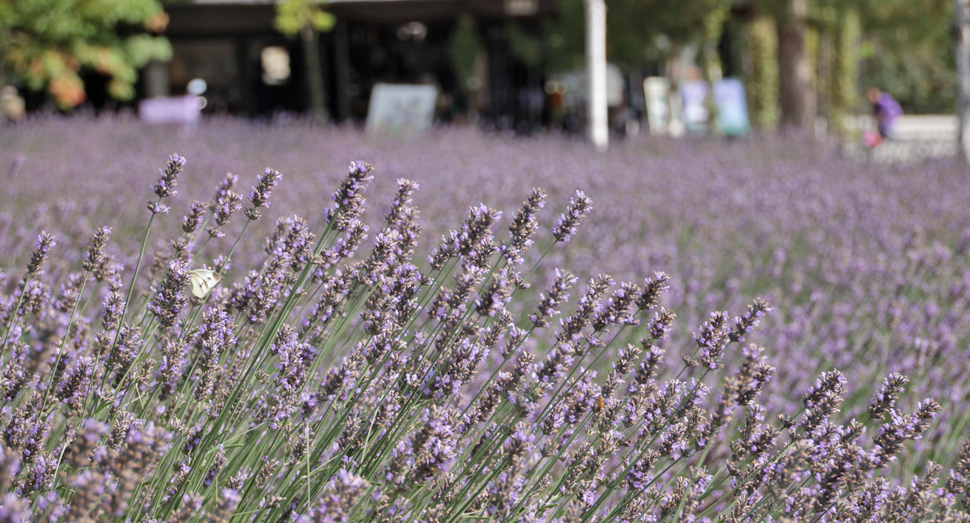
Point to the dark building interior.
(402, 41)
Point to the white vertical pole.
(596, 73)
(962, 58)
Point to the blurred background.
(498, 64)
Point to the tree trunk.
(314, 71)
(795, 91)
(762, 73)
(714, 21)
(713, 24)
(962, 59)
(845, 59)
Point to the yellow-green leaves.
(293, 15)
(48, 42)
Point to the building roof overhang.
(241, 16)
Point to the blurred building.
(250, 68)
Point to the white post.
(962, 58)
(596, 108)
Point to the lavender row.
(331, 372)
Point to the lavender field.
(508, 329)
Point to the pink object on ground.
(871, 138)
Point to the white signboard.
(732, 109)
(694, 95)
(172, 109)
(399, 110)
(577, 85)
(656, 90)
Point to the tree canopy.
(639, 32)
(293, 15)
(908, 52)
(48, 43)
(905, 47)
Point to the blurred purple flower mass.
(756, 330)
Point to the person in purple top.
(885, 109)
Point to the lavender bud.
(41, 251)
(70, 291)
(9, 468)
(193, 220)
(957, 482)
(617, 309)
(191, 504)
(566, 226)
(574, 325)
(168, 178)
(339, 496)
(885, 399)
(114, 304)
(158, 208)
(84, 444)
(401, 204)
(712, 339)
(224, 187)
(168, 299)
(228, 499)
(523, 227)
(349, 196)
(554, 296)
(652, 289)
(744, 324)
(95, 255)
(125, 351)
(217, 463)
(73, 389)
(262, 191)
(13, 509)
(223, 209)
(662, 324)
(494, 297)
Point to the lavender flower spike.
(44, 243)
(566, 226)
(168, 178)
(260, 195)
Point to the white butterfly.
(203, 280)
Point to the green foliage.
(762, 82)
(523, 45)
(638, 32)
(464, 47)
(716, 13)
(293, 15)
(906, 48)
(905, 45)
(633, 28)
(844, 87)
(307, 18)
(564, 38)
(46, 43)
(908, 52)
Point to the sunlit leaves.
(293, 15)
(48, 43)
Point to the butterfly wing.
(203, 280)
(197, 290)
